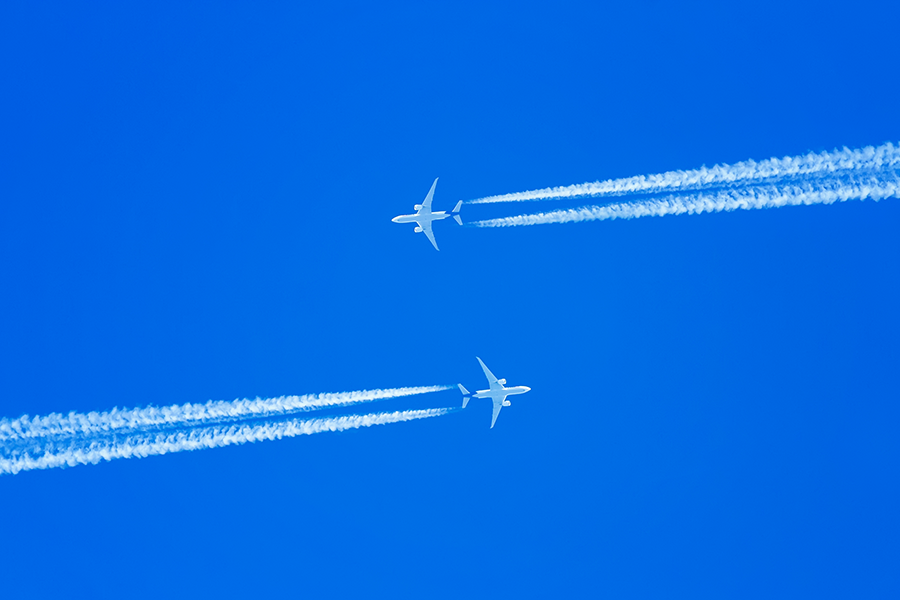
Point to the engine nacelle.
(417, 207)
(418, 230)
(507, 403)
(501, 381)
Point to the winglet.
(455, 212)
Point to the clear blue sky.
(195, 204)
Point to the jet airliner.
(497, 393)
(424, 216)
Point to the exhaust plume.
(764, 196)
(142, 444)
(772, 170)
(55, 424)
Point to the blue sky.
(196, 205)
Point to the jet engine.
(417, 207)
(507, 403)
(418, 230)
(501, 381)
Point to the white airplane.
(497, 393)
(424, 216)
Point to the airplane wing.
(426, 204)
(498, 404)
(491, 379)
(426, 229)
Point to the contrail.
(55, 424)
(140, 445)
(765, 196)
(771, 170)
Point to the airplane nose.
(527, 389)
(394, 220)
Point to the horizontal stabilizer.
(465, 393)
(455, 212)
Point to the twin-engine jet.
(424, 216)
(497, 393)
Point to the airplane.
(497, 393)
(424, 216)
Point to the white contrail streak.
(140, 445)
(771, 170)
(766, 196)
(74, 423)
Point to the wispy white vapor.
(74, 423)
(140, 445)
(886, 156)
(765, 196)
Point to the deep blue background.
(195, 204)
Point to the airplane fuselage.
(507, 391)
(423, 217)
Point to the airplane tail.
(465, 393)
(455, 212)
